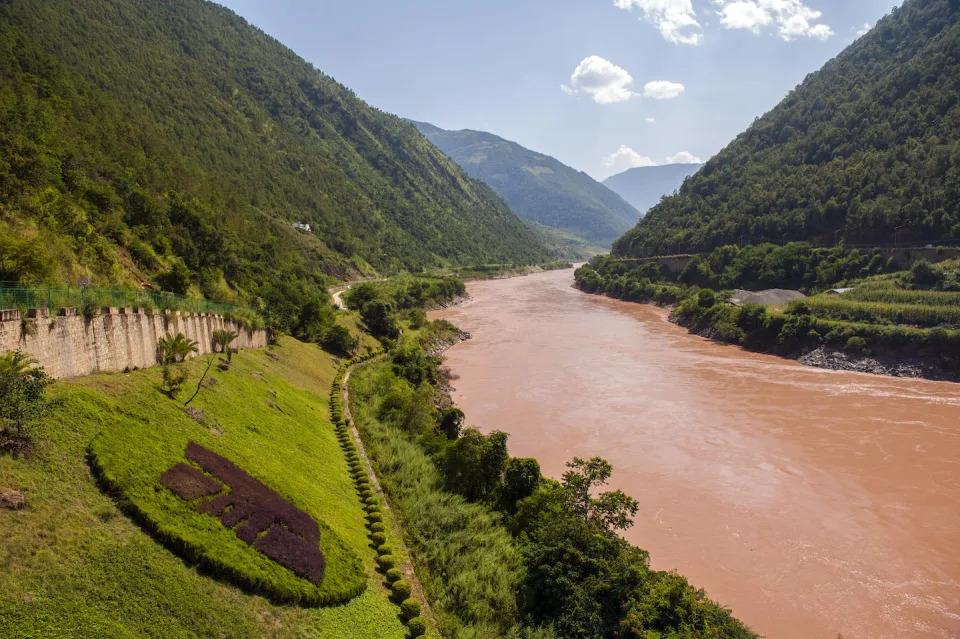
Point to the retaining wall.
(70, 345)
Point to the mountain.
(173, 144)
(644, 186)
(866, 150)
(537, 187)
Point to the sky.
(602, 85)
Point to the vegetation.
(222, 339)
(866, 150)
(72, 566)
(500, 550)
(22, 400)
(538, 187)
(176, 147)
(913, 314)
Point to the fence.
(15, 295)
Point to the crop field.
(923, 315)
(891, 295)
(142, 561)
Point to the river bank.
(813, 502)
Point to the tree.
(22, 400)
(175, 349)
(338, 339)
(222, 339)
(473, 465)
(378, 316)
(451, 422)
(172, 350)
(520, 479)
(611, 510)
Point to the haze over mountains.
(866, 150)
(174, 144)
(644, 186)
(537, 187)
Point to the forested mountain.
(644, 186)
(538, 187)
(866, 150)
(173, 144)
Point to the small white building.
(302, 226)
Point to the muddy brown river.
(815, 504)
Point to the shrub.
(409, 608)
(393, 574)
(377, 526)
(378, 538)
(417, 626)
(856, 344)
(387, 561)
(400, 589)
(384, 549)
(22, 399)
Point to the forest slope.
(173, 144)
(866, 150)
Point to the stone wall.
(70, 345)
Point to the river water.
(813, 503)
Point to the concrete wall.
(69, 345)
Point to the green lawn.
(74, 565)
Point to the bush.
(376, 527)
(393, 574)
(378, 538)
(400, 589)
(924, 275)
(386, 562)
(417, 626)
(409, 608)
(856, 344)
(384, 549)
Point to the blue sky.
(602, 85)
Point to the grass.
(465, 559)
(73, 565)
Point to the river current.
(814, 503)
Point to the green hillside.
(537, 187)
(73, 565)
(866, 150)
(172, 144)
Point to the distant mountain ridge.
(865, 150)
(644, 186)
(538, 188)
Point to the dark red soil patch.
(258, 515)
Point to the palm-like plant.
(174, 349)
(16, 364)
(222, 339)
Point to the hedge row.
(376, 529)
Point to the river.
(813, 503)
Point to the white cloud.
(684, 157)
(650, 120)
(626, 158)
(601, 79)
(863, 30)
(676, 19)
(792, 18)
(662, 89)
